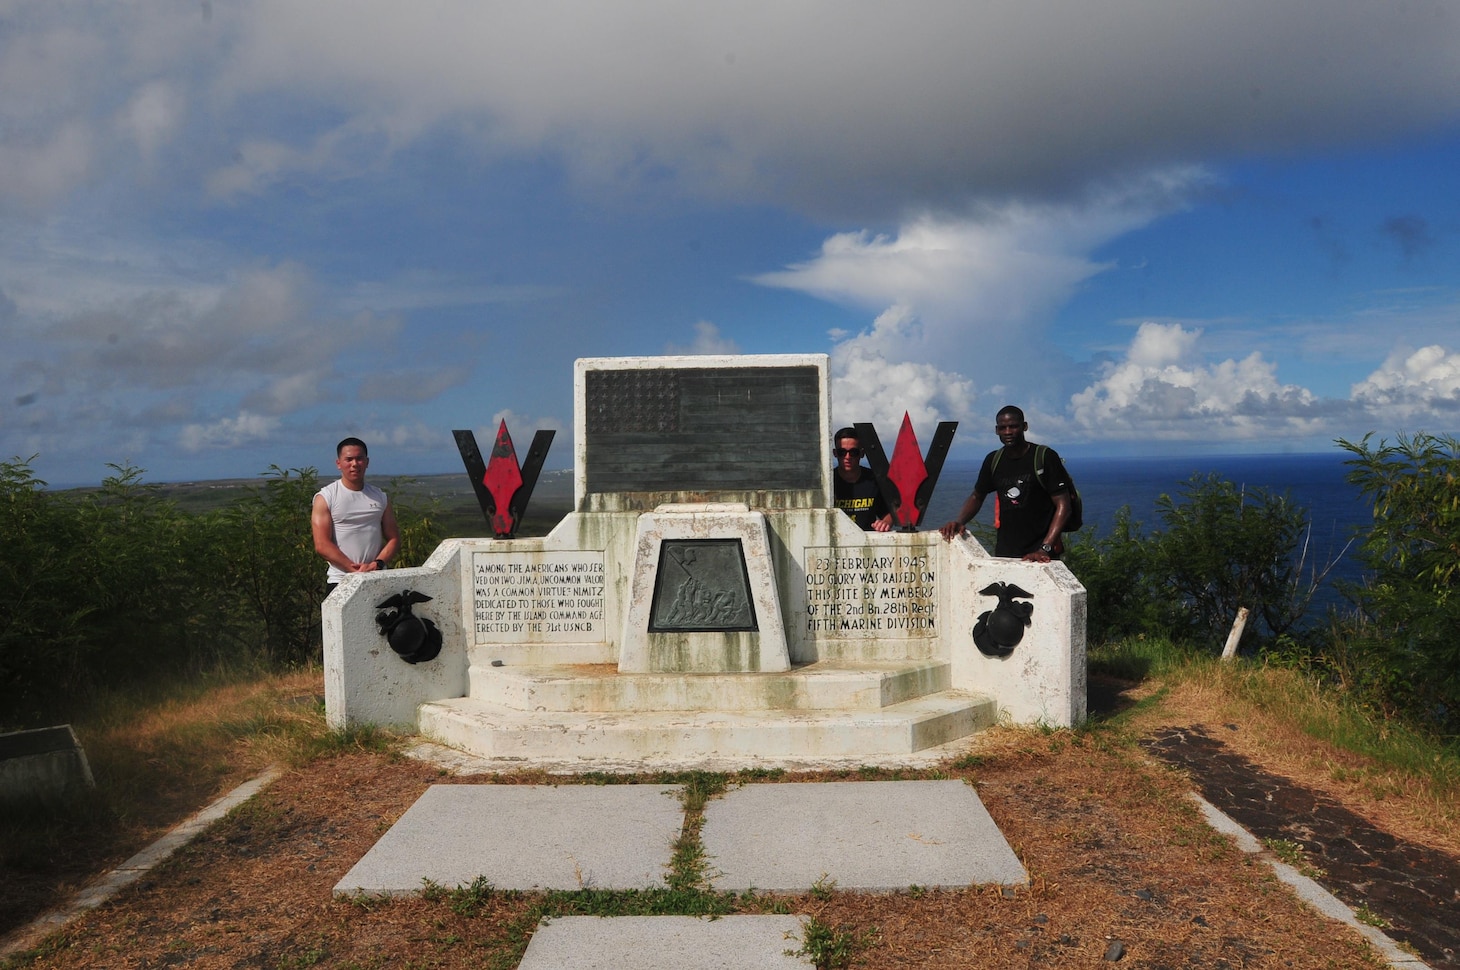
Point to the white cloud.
(813, 103)
(863, 110)
(389, 442)
(523, 428)
(525, 424)
(35, 173)
(1013, 259)
(403, 384)
(241, 429)
(1410, 385)
(1163, 390)
(288, 393)
(708, 341)
(975, 294)
(152, 116)
(234, 356)
(865, 386)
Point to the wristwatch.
(1046, 548)
(379, 564)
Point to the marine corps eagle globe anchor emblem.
(999, 630)
(414, 638)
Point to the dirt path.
(1412, 889)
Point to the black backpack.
(1077, 504)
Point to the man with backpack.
(1033, 496)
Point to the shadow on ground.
(1413, 889)
(1106, 696)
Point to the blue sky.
(233, 232)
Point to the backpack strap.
(1039, 451)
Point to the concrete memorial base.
(860, 711)
(707, 600)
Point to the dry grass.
(155, 763)
(1278, 710)
(1115, 851)
(1117, 854)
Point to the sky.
(232, 233)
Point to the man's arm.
(971, 505)
(391, 533)
(1062, 507)
(322, 526)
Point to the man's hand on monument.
(952, 530)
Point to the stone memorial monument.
(705, 600)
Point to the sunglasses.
(843, 452)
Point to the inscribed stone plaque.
(703, 430)
(701, 587)
(543, 597)
(883, 595)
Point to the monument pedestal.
(704, 594)
(722, 721)
(707, 602)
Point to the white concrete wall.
(1041, 682)
(366, 682)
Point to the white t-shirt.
(356, 517)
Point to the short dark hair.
(1010, 409)
(351, 443)
(845, 433)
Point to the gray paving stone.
(876, 836)
(526, 837)
(666, 943)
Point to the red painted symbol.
(503, 478)
(907, 472)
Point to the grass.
(832, 948)
(1294, 855)
(157, 756)
(161, 756)
(1297, 719)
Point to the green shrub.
(1221, 548)
(1408, 640)
(1124, 597)
(40, 561)
(274, 578)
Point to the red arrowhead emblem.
(907, 471)
(503, 478)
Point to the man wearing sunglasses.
(855, 487)
(1031, 503)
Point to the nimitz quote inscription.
(553, 597)
(863, 594)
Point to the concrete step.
(491, 730)
(826, 685)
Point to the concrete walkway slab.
(873, 835)
(666, 943)
(526, 837)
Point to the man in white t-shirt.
(352, 522)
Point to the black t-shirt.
(862, 499)
(1023, 508)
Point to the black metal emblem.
(1000, 629)
(415, 638)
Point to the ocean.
(1316, 482)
